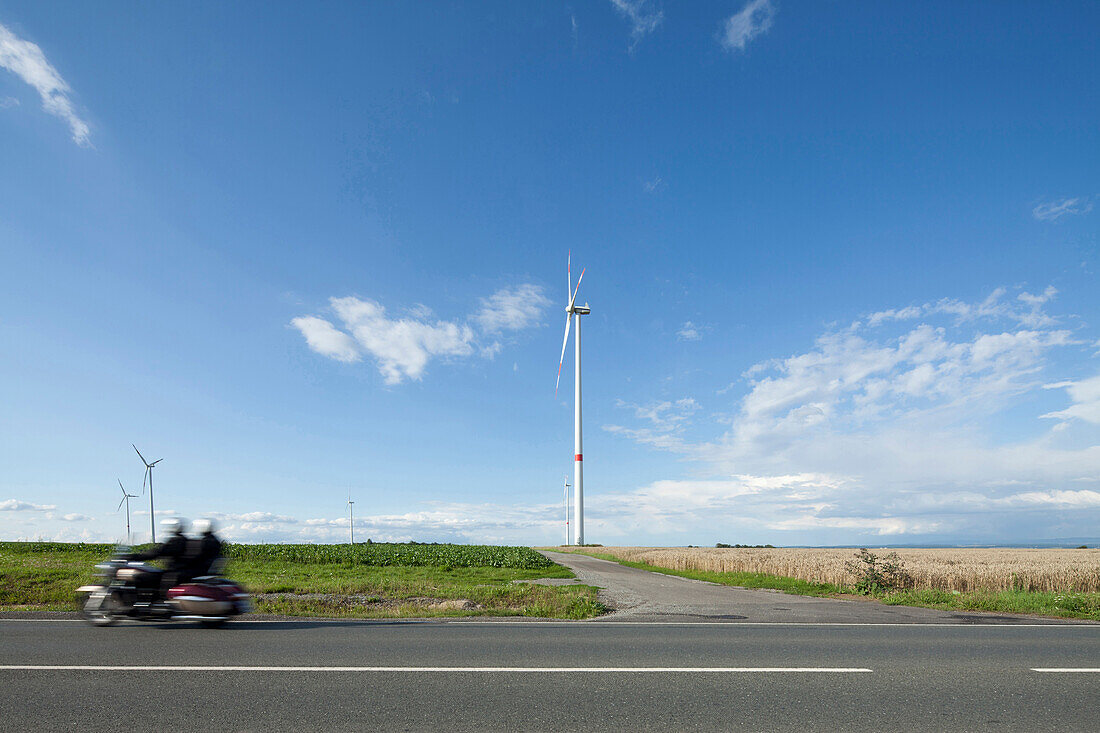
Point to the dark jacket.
(203, 552)
(173, 551)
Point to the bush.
(877, 575)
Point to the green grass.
(363, 582)
(1059, 605)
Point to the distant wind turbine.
(578, 454)
(351, 510)
(149, 478)
(125, 500)
(567, 510)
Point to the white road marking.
(180, 668)
(1095, 670)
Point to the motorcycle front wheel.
(102, 608)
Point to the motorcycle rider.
(204, 548)
(172, 552)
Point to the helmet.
(174, 525)
(202, 526)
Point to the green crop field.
(363, 581)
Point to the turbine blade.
(155, 462)
(564, 342)
(143, 478)
(574, 298)
(569, 273)
(121, 487)
(140, 456)
(120, 504)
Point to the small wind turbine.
(125, 500)
(567, 510)
(149, 478)
(351, 510)
(578, 454)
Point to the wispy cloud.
(14, 505)
(665, 420)
(1053, 210)
(1085, 395)
(8, 102)
(26, 60)
(1026, 311)
(751, 21)
(511, 309)
(402, 347)
(690, 332)
(643, 20)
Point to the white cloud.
(8, 102)
(690, 332)
(1054, 210)
(1086, 400)
(254, 517)
(76, 518)
(511, 309)
(14, 505)
(26, 60)
(326, 339)
(667, 420)
(402, 347)
(1036, 300)
(751, 21)
(903, 424)
(643, 20)
(1026, 311)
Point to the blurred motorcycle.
(129, 589)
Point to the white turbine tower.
(125, 499)
(578, 453)
(351, 512)
(149, 478)
(567, 510)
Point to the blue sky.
(841, 259)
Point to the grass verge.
(1058, 605)
(44, 576)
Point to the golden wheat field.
(960, 569)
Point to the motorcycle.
(129, 589)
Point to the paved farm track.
(430, 676)
(644, 595)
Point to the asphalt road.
(676, 655)
(549, 676)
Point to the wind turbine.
(566, 510)
(149, 478)
(125, 500)
(351, 509)
(578, 454)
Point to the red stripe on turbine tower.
(578, 457)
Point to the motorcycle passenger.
(172, 552)
(204, 549)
